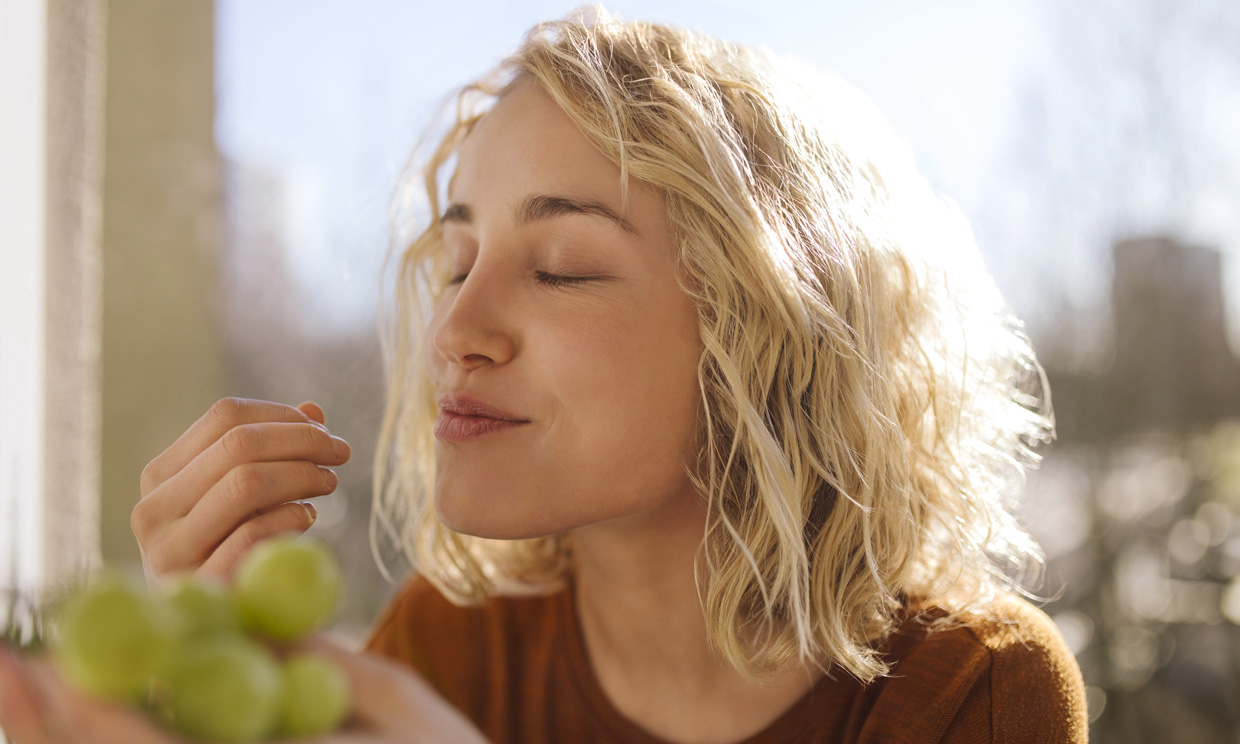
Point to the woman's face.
(564, 314)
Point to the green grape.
(202, 605)
(316, 697)
(286, 587)
(223, 687)
(112, 636)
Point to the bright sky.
(333, 99)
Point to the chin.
(490, 529)
(484, 518)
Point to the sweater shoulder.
(1013, 626)
(1029, 686)
(1035, 687)
(1000, 673)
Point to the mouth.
(456, 428)
(464, 404)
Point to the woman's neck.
(646, 634)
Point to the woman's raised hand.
(230, 481)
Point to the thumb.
(74, 716)
(314, 411)
(376, 684)
(390, 697)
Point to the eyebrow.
(541, 207)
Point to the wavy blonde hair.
(869, 402)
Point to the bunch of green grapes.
(198, 655)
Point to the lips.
(464, 404)
(463, 417)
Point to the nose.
(473, 328)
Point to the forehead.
(526, 144)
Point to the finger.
(248, 490)
(294, 518)
(87, 719)
(21, 710)
(248, 443)
(229, 478)
(314, 411)
(225, 415)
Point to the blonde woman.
(705, 424)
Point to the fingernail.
(340, 447)
(330, 478)
(314, 513)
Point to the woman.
(720, 416)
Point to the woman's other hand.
(391, 705)
(391, 702)
(231, 480)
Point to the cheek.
(630, 395)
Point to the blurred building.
(1173, 367)
(1170, 368)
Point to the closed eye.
(557, 280)
(551, 280)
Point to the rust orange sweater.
(518, 668)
